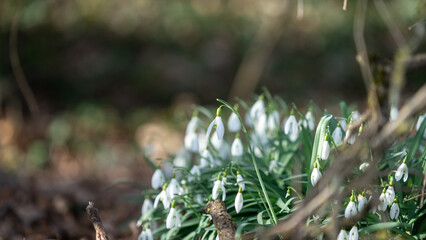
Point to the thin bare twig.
(96, 221)
(17, 68)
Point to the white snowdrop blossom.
(393, 113)
(260, 125)
(146, 206)
(351, 210)
(257, 109)
(240, 180)
(237, 147)
(315, 175)
(206, 158)
(309, 117)
(157, 179)
(402, 171)
(419, 123)
(218, 185)
(257, 152)
(291, 128)
(142, 235)
(149, 235)
(163, 197)
(355, 116)
(343, 124)
(193, 124)
(362, 202)
(288, 193)
(191, 142)
(239, 200)
(273, 121)
(383, 203)
(173, 187)
(353, 234)
(343, 235)
(349, 135)
(173, 219)
(390, 194)
(234, 124)
(364, 166)
(217, 122)
(394, 210)
(337, 135)
(325, 149)
(195, 172)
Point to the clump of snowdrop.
(239, 201)
(315, 175)
(163, 196)
(351, 209)
(173, 219)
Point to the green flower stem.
(265, 193)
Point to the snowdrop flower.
(240, 180)
(343, 124)
(193, 123)
(353, 234)
(157, 179)
(164, 197)
(195, 172)
(237, 147)
(309, 117)
(383, 203)
(148, 231)
(419, 123)
(393, 113)
(173, 219)
(362, 202)
(291, 128)
(337, 135)
(288, 193)
(239, 201)
(142, 235)
(390, 193)
(355, 116)
(261, 124)
(364, 166)
(394, 211)
(234, 124)
(257, 152)
(173, 188)
(325, 149)
(273, 121)
(257, 109)
(218, 185)
(146, 206)
(349, 136)
(343, 235)
(191, 142)
(315, 175)
(206, 158)
(402, 171)
(217, 122)
(350, 210)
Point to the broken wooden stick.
(96, 221)
(223, 222)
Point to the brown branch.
(17, 68)
(96, 221)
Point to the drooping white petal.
(209, 129)
(171, 219)
(343, 235)
(394, 211)
(353, 234)
(390, 195)
(220, 128)
(311, 120)
(337, 135)
(273, 121)
(223, 193)
(343, 124)
(362, 202)
(291, 128)
(192, 125)
(383, 203)
(355, 116)
(234, 124)
(349, 137)
(364, 166)
(325, 150)
(142, 235)
(237, 148)
(257, 109)
(239, 201)
(173, 188)
(315, 176)
(146, 206)
(393, 114)
(350, 210)
(216, 187)
(157, 179)
(191, 142)
(165, 199)
(402, 171)
(149, 235)
(261, 125)
(240, 183)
